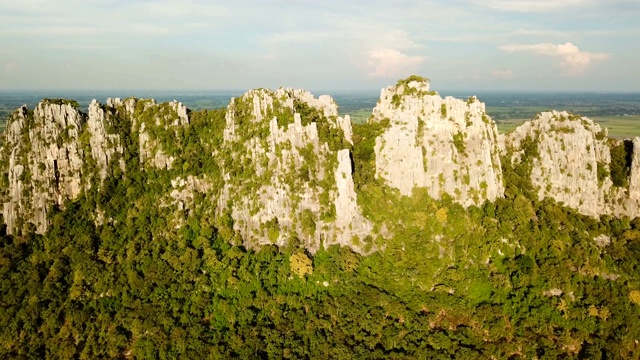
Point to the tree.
(300, 264)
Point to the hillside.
(275, 228)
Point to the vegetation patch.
(363, 155)
(621, 155)
(73, 103)
(458, 142)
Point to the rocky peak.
(572, 161)
(288, 172)
(183, 113)
(103, 145)
(54, 153)
(43, 160)
(276, 167)
(448, 146)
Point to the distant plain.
(619, 112)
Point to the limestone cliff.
(570, 160)
(103, 145)
(149, 121)
(448, 146)
(288, 173)
(281, 169)
(43, 162)
(56, 152)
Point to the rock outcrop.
(570, 160)
(448, 146)
(56, 152)
(147, 117)
(44, 166)
(288, 173)
(284, 158)
(104, 146)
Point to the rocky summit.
(570, 159)
(279, 167)
(448, 146)
(287, 170)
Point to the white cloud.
(387, 62)
(347, 38)
(572, 60)
(74, 18)
(399, 39)
(363, 44)
(531, 5)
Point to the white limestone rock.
(570, 150)
(282, 180)
(44, 163)
(146, 114)
(103, 145)
(51, 154)
(602, 240)
(448, 146)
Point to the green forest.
(516, 278)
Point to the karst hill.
(281, 167)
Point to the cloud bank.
(387, 62)
(539, 6)
(504, 74)
(572, 60)
(207, 44)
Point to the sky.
(515, 45)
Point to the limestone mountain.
(276, 169)
(147, 230)
(283, 167)
(57, 153)
(42, 160)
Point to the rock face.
(570, 160)
(56, 152)
(287, 171)
(44, 162)
(103, 145)
(445, 145)
(147, 116)
(284, 158)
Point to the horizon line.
(323, 91)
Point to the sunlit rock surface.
(288, 176)
(571, 162)
(448, 146)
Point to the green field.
(505, 126)
(618, 126)
(360, 116)
(509, 113)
